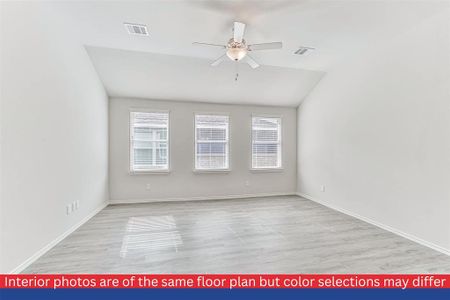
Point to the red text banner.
(229, 281)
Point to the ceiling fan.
(237, 48)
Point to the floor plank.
(287, 234)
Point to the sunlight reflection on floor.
(145, 235)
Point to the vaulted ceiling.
(165, 64)
(161, 76)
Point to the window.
(211, 142)
(149, 144)
(266, 143)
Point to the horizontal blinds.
(211, 142)
(266, 142)
(149, 141)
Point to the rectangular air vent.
(136, 29)
(304, 50)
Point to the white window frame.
(228, 141)
(131, 146)
(280, 168)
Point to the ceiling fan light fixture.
(237, 48)
(236, 53)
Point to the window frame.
(131, 171)
(267, 169)
(228, 144)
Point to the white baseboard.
(53, 243)
(380, 225)
(223, 197)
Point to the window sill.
(211, 171)
(267, 170)
(153, 172)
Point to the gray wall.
(54, 131)
(182, 182)
(376, 133)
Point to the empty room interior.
(225, 137)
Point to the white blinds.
(211, 142)
(266, 142)
(149, 141)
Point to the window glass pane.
(211, 148)
(149, 141)
(266, 142)
(211, 142)
(143, 157)
(211, 134)
(210, 162)
(266, 135)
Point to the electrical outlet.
(74, 207)
(148, 187)
(77, 204)
(247, 183)
(322, 188)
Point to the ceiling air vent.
(304, 50)
(136, 29)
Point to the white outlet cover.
(68, 209)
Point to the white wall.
(376, 133)
(54, 130)
(182, 182)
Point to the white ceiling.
(166, 65)
(161, 76)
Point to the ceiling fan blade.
(207, 44)
(219, 60)
(238, 31)
(251, 62)
(265, 46)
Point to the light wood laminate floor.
(285, 234)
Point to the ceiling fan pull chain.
(237, 71)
